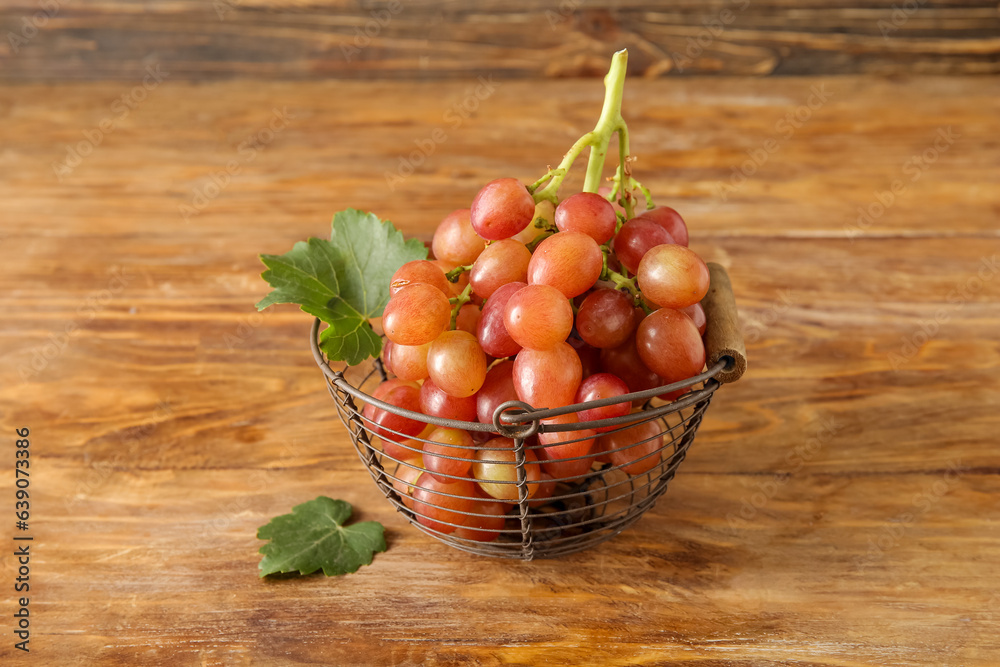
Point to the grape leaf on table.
(313, 537)
(343, 281)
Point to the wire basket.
(576, 512)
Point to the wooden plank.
(423, 40)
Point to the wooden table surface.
(839, 506)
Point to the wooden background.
(840, 504)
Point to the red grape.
(468, 318)
(406, 476)
(493, 468)
(569, 261)
(456, 363)
(416, 314)
(455, 241)
(502, 209)
(671, 221)
(566, 445)
(498, 388)
(547, 378)
(590, 356)
(669, 344)
(636, 238)
(449, 454)
(491, 331)
(606, 318)
(430, 490)
(546, 488)
(435, 402)
(672, 276)
(538, 317)
(408, 362)
(502, 262)
(697, 315)
(484, 528)
(419, 271)
(589, 213)
(388, 425)
(596, 387)
(635, 442)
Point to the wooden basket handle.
(723, 337)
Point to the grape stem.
(457, 272)
(457, 303)
(597, 140)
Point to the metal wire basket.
(581, 511)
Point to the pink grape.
(429, 490)
(636, 238)
(497, 389)
(538, 317)
(547, 378)
(492, 332)
(388, 425)
(416, 314)
(635, 442)
(624, 361)
(455, 241)
(606, 318)
(456, 363)
(569, 261)
(589, 213)
(560, 445)
(449, 454)
(436, 403)
(419, 271)
(484, 528)
(407, 362)
(502, 209)
(468, 318)
(671, 221)
(492, 468)
(503, 262)
(697, 314)
(406, 476)
(596, 387)
(669, 344)
(672, 276)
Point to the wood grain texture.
(838, 508)
(411, 39)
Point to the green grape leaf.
(343, 281)
(314, 537)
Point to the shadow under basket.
(576, 512)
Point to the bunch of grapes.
(549, 304)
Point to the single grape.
(456, 363)
(468, 318)
(671, 221)
(388, 425)
(497, 389)
(636, 238)
(455, 241)
(547, 378)
(546, 489)
(432, 506)
(502, 209)
(495, 468)
(419, 271)
(596, 387)
(406, 474)
(561, 445)
(569, 261)
(484, 528)
(449, 454)
(669, 344)
(589, 213)
(401, 449)
(435, 402)
(538, 317)
(492, 332)
(407, 362)
(672, 276)
(606, 318)
(544, 214)
(503, 262)
(635, 448)
(416, 314)
(697, 314)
